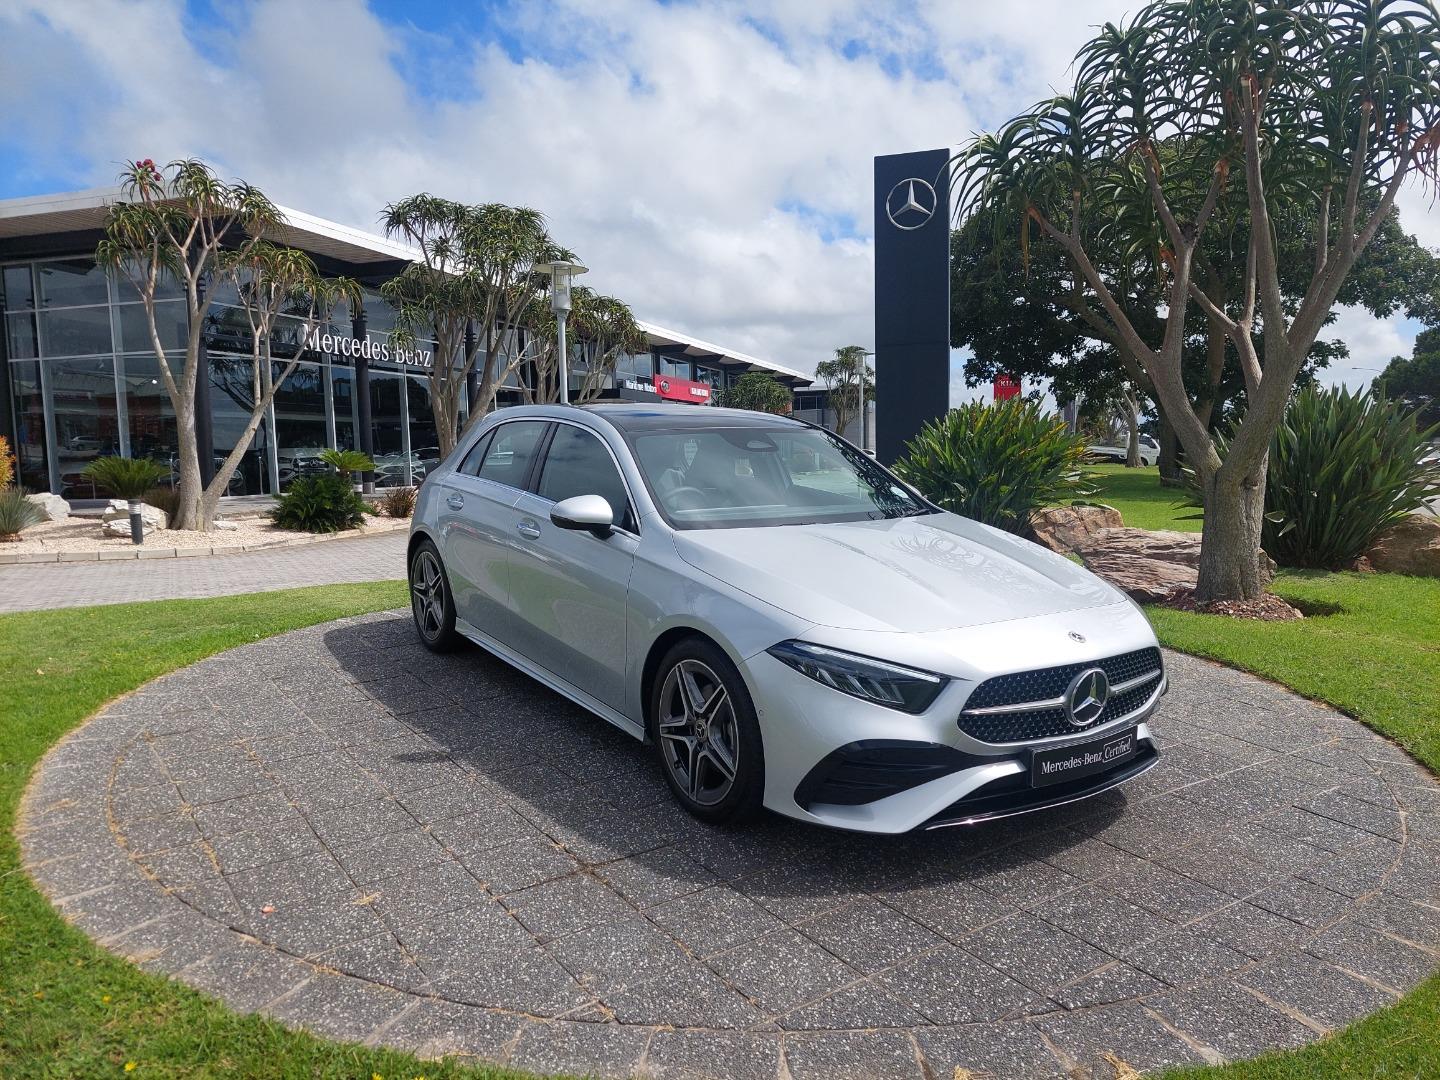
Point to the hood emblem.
(1087, 696)
(1074, 636)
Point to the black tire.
(693, 749)
(431, 604)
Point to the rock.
(121, 527)
(225, 526)
(1410, 547)
(119, 510)
(1064, 528)
(54, 507)
(1146, 565)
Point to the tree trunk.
(1132, 433)
(190, 497)
(1232, 564)
(1170, 474)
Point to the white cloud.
(1372, 342)
(711, 162)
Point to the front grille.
(1046, 684)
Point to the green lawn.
(68, 1008)
(1142, 502)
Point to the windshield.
(731, 478)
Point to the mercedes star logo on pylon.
(910, 204)
(1087, 696)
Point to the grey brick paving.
(35, 586)
(359, 838)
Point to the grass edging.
(69, 1008)
(1377, 658)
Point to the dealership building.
(82, 377)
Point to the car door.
(568, 589)
(478, 520)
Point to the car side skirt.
(550, 679)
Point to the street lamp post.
(864, 408)
(561, 272)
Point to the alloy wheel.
(427, 594)
(699, 734)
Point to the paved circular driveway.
(338, 829)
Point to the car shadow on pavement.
(491, 760)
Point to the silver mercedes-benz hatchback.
(785, 622)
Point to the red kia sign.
(1006, 387)
(668, 386)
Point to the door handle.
(455, 502)
(528, 529)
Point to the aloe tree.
(1202, 112)
(285, 302)
(475, 272)
(851, 382)
(602, 329)
(176, 225)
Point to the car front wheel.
(430, 601)
(703, 725)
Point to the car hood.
(911, 575)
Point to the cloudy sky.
(711, 162)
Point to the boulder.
(1145, 565)
(1064, 528)
(119, 510)
(1410, 547)
(54, 507)
(121, 527)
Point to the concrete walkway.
(33, 587)
(341, 830)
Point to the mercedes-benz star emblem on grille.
(910, 204)
(1086, 699)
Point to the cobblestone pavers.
(37, 586)
(338, 829)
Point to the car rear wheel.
(703, 725)
(430, 601)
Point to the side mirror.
(586, 513)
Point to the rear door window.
(511, 452)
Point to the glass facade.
(84, 382)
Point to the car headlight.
(885, 684)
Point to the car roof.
(642, 417)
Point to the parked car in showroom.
(1149, 451)
(846, 654)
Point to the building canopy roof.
(85, 211)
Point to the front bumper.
(850, 764)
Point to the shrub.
(757, 391)
(347, 461)
(322, 503)
(125, 478)
(398, 502)
(7, 464)
(167, 499)
(17, 513)
(1343, 467)
(996, 463)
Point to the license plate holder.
(1059, 764)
